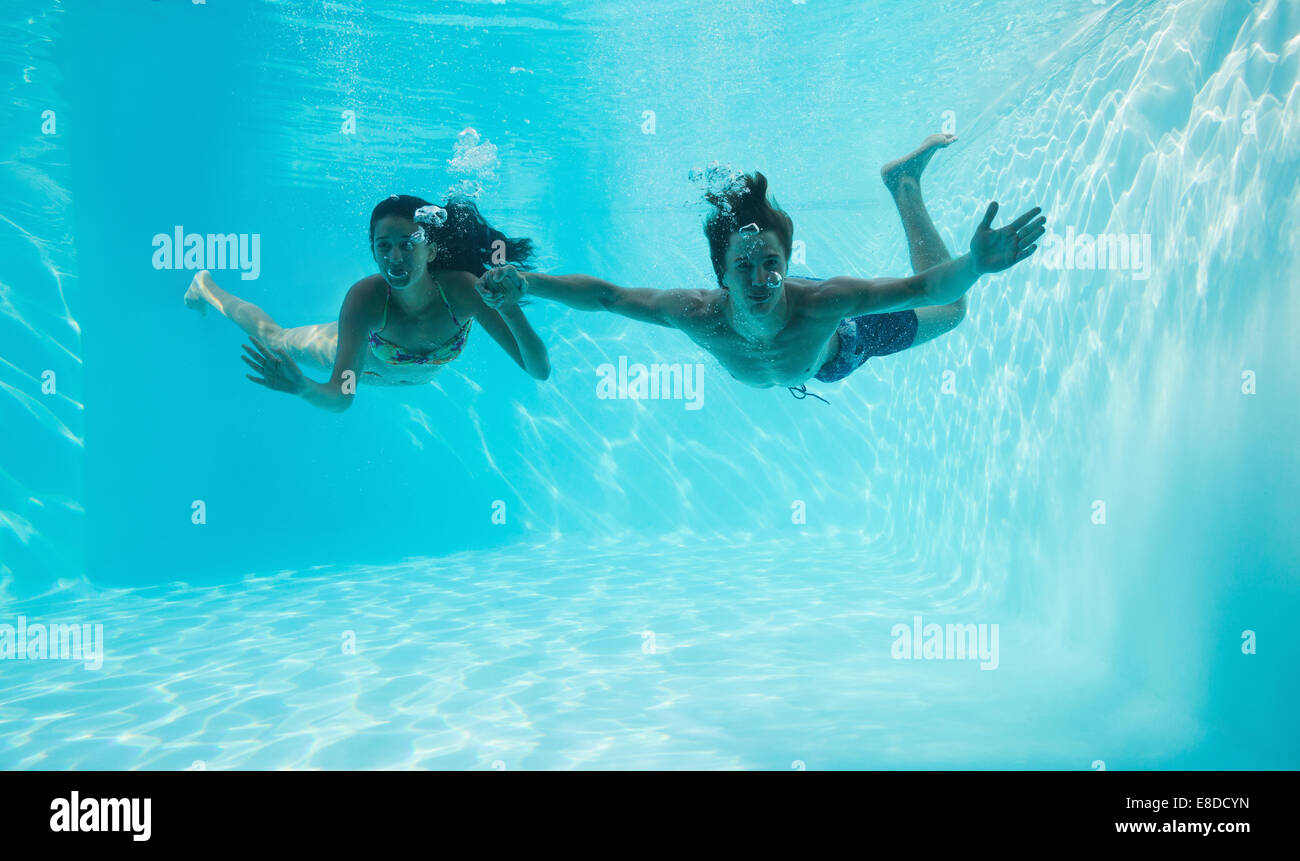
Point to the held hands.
(501, 287)
(995, 250)
(278, 369)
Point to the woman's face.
(401, 252)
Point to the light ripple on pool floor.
(532, 657)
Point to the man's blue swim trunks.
(866, 336)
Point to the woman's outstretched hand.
(995, 250)
(501, 287)
(278, 369)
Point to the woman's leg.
(315, 344)
(924, 245)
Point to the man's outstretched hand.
(995, 250)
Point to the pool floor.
(757, 656)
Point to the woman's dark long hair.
(465, 240)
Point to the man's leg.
(924, 246)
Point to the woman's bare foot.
(911, 165)
(198, 296)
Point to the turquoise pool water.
(1098, 461)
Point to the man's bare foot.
(198, 297)
(911, 165)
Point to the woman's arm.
(500, 314)
(355, 318)
(281, 373)
(511, 329)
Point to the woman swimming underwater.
(398, 327)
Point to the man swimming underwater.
(771, 330)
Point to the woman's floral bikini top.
(387, 351)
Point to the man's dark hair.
(742, 204)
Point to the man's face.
(755, 270)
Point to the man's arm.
(646, 304)
(938, 285)
(991, 251)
